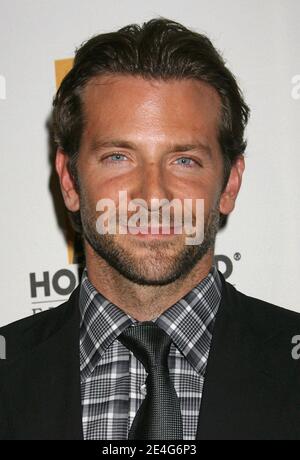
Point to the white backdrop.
(260, 41)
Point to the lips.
(154, 230)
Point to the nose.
(152, 184)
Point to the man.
(153, 343)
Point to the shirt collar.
(189, 322)
(101, 323)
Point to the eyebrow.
(171, 148)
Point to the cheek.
(210, 192)
(99, 199)
(101, 186)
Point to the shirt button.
(144, 389)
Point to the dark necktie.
(159, 416)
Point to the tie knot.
(149, 343)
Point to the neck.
(141, 302)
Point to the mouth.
(153, 232)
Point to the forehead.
(164, 106)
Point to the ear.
(70, 195)
(229, 195)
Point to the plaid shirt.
(113, 380)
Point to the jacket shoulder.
(27, 333)
(260, 314)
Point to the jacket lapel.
(47, 403)
(242, 399)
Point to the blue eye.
(115, 158)
(118, 155)
(185, 159)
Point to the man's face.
(152, 139)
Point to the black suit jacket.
(251, 389)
